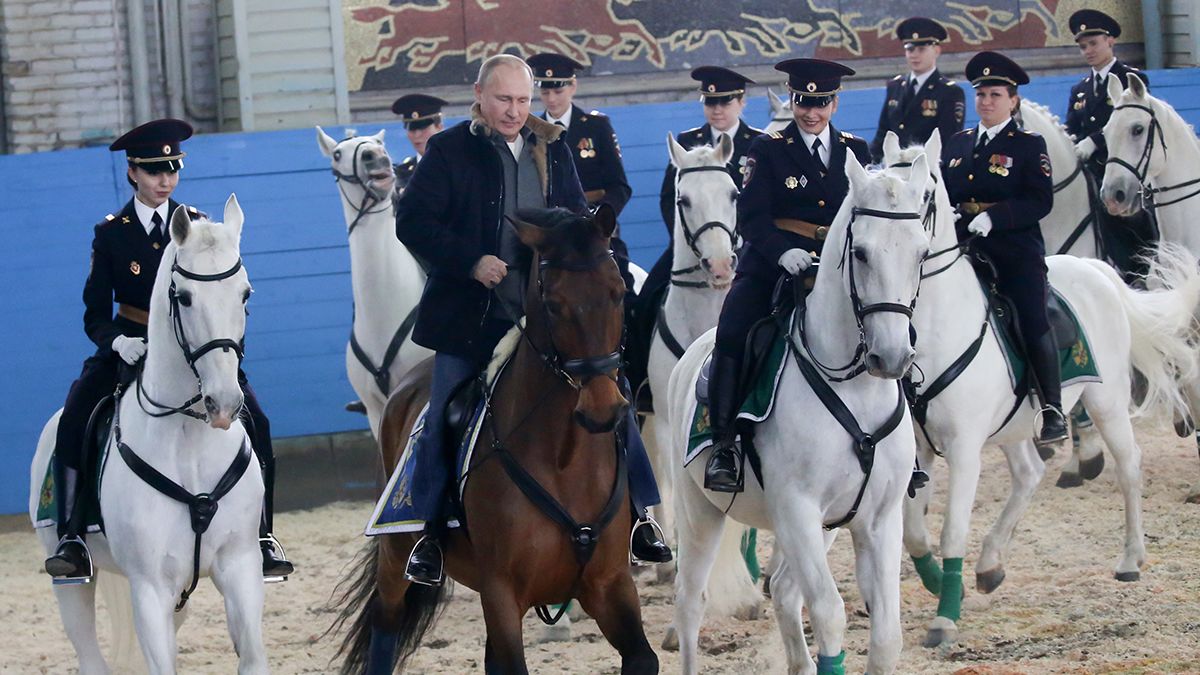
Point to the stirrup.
(658, 532)
(270, 539)
(441, 574)
(1040, 424)
(76, 580)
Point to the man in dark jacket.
(452, 214)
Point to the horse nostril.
(1120, 195)
(210, 405)
(368, 155)
(704, 262)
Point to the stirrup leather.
(441, 574)
(76, 580)
(280, 551)
(658, 532)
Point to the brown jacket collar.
(545, 133)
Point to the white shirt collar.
(921, 79)
(716, 135)
(516, 146)
(992, 132)
(145, 214)
(825, 142)
(565, 120)
(1103, 72)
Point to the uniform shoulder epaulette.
(775, 135)
(948, 81)
(845, 134)
(597, 113)
(109, 218)
(898, 78)
(411, 159)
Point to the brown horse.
(552, 418)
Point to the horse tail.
(1162, 325)
(730, 590)
(357, 595)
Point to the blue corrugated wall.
(294, 244)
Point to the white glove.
(1084, 149)
(130, 349)
(982, 224)
(795, 260)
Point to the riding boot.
(1043, 359)
(723, 473)
(275, 563)
(71, 562)
(425, 564)
(646, 545)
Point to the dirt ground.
(1058, 611)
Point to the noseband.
(370, 198)
(691, 236)
(1142, 168)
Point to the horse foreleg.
(77, 607)
(1026, 468)
(916, 533)
(1087, 458)
(798, 532)
(698, 526)
(153, 615)
(963, 459)
(618, 613)
(505, 652)
(1117, 431)
(789, 605)
(877, 548)
(239, 580)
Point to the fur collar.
(546, 132)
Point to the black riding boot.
(1043, 359)
(71, 562)
(425, 565)
(275, 563)
(646, 545)
(723, 473)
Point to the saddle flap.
(459, 410)
(702, 381)
(1065, 332)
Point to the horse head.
(781, 112)
(706, 210)
(883, 243)
(573, 306)
(1133, 133)
(362, 166)
(202, 290)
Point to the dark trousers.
(1020, 277)
(749, 300)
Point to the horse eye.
(185, 298)
(337, 155)
(860, 255)
(685, 202)
(1138, 129)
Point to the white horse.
(812, 471)
(386, 279)
(1126, 329)
(181, 419)
(781, 112)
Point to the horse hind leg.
(1087, 453)
(1026, 468)
(618, 613)
(1117, 430)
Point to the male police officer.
(1088, 111)
(126, 252)
(794, 184)
(924, 99)
(422, 115)
(723, 93)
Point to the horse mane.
(1174, 116)
(1054, 119)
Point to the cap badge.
(987, 71)
(712, 87)
(415, 114)
(1082, 27)
(135, 268)
(915, 36)
(166, 149)
(812, 86)
(549, 72)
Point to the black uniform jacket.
(692, 138)
(124, 264)
(938, 104)
(1087, 113)
(785, 180)
(1012, 172)
(597, 154)
(451, 215)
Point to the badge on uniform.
(587, 149)
(892, 103)
(954, 162)
(125, 219)
(1079, 105)
(1045, 162)
(929, 107)
(790, 182)
(747, 171)
(742, 165)
(960, 111)
(135, 268)
(1000, 164)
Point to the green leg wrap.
(930, 573)
(950, 601)
(750, 553)
(831, 665)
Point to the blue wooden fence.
(294, 245)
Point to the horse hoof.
(1128, 576)
(1090, 468)
(670, 641)
(1184, 428)
(1045, 452)
(942, 632)
(1193, 497)
(1069, 480)
(986, 582)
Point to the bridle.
(692, 236)
(190, 355)
(1142, 168)
(929, 222)
(370, 197)
(856, 365)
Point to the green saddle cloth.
(1076, 359)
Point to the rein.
(1142, 168)
(691, 236)
(369, 199)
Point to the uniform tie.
(559, 123)
(983, 140)
(1097, 79)
(816, 151)
(156, 234)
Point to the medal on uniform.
(790, 182)
(1000, 164)
(929, 107)
(587, 149)
(135, 268)
(742, 165)
(1078, 105)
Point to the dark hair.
(147, 169)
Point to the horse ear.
(325, 142)
(1136, 85)
(855, 172)
(378, 138)
(233, 215)
(918, 178)
(674, 150)
(606, 219)
(1115, 89)
(933, 146)
(531, 235)
(724, 149)
(891, 148)
(777, 104)
(181, 225)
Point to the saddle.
(1062, 327)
